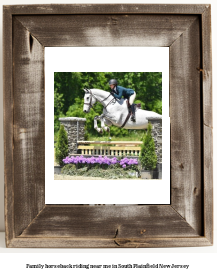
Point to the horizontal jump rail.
(107, 150)
(124, 143)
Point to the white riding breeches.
(132, 98)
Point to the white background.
(139, 59)
(201, 259)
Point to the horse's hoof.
(108, 129)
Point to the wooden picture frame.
(186, 30)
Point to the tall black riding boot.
(133, 118)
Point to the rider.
(120, 91)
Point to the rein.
(92, 95)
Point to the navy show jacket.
(121, 91)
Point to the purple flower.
(66, 160)
(88, 160)
(124, 161)
(100, 160)
(71, 160)
(114, 160)
(92, 160)
(83, 160)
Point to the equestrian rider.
(119, 91)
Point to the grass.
(134, 135)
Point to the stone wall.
(75, 128)
(157, 136)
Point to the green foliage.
(86, 134)
(112, 172)
(133, 135)
(117, 131)
(69, 94)
(148, 157)
(156, 106)
(61, 146)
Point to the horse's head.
(89, 100)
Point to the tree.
(148, 157)
(61, 146)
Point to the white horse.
(115, 111)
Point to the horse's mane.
(102, 91)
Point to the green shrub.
(86, 134)
(148, 157)
(110, 173)
(61, 146)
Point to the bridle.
(91, 96)
(88, 91)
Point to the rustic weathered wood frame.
(186, 29)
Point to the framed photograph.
(42, 43)
(109, 158)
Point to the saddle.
(136, 105)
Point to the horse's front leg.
(96, 118)
(106, 128)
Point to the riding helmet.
(113, 82)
